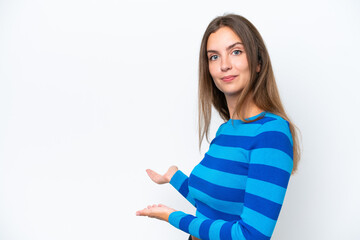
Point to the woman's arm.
(180, 182)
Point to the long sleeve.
(180, 182)
(270, 164)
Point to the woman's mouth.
(228, 78)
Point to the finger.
(143, 212)
(151, 172)
(153, 175)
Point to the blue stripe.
(220, 129)
(219, 178)
(276, 140)
(263, 206)
(272, 157)
(260, 222)
(175, 217)
(184, 189)
(237, 231)
(271, 139)
(195, 226)
(215, 214)
(249, 130)
(279, 126)
(177, 179)
(269, 174)
(225, 165)
(204, 229)
(252, 233)
(215, 228)
(229, 153)
(225, 232)
(219, 192)
(266, 190)
(200, 215)
(185, 222)
(191, 200)
(220, 205)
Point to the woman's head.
(227, 63)
(231, 46)
(258, 61)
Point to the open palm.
(161, 179)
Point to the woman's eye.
(213, 57)
(237, 52)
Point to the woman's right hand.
(161, 179)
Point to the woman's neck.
(248, 110)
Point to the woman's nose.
(225, 64)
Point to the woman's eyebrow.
(228, 48)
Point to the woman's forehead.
(222, 38)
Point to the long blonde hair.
(261, 86)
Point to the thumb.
(151, 172)
(157, 178)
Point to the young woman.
(239, 186)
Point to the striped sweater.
(239, 186)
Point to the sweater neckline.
(250, 118)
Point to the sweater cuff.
(177, 179)
(175, 217)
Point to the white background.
(94, 92)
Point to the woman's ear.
(258, 68)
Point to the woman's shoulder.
(274, 117)
(220, 129)
(268, 122)
(275, 123)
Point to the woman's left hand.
(159, 211)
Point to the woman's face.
(228, 64)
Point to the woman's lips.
(228, 78)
